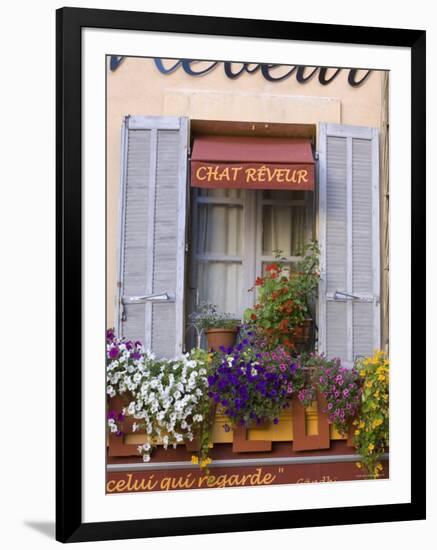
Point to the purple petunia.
(113, 353)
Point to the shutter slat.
(362, 329)
(135, 230)
(336, 217)
(362, 224)
(166, 239)
(336, 323)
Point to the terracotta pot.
(302, 335)
(221, 337)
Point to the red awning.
(252, 162)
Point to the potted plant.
(282, 314)
(339, 388)
(220, 328)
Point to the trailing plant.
(371, 436)
(340, 387)
(284, 298)
(303, 382)
(167, 398)
(253, 385)
(206, 410)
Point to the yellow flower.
(357, 432)
(358, 464)
(381, 378)
(379, 354)
(370, 447)
(362, 373)
(369, 384)
(379, 466)
(194, 459)
(361, 424)
(205, 462)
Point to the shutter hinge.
(186, 247)
(316, 155)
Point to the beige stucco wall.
(138, 88)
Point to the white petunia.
(112, 425)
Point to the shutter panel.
(349, 313)
(151, 252)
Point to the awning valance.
(252, 162)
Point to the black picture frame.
(69, 23)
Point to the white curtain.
(221, 236)
(284, 228)
(220, 232)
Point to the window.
(234, 235)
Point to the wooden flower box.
(307, 429)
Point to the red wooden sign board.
(252, 163)
(298, 177)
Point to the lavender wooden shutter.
(151, 255)
(349, 292)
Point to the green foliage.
(284, 298)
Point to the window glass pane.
(220, 283)
(227, 193)
(220, 229)
(284, 228)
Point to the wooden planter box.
(307, 429)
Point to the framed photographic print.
(241, 256)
